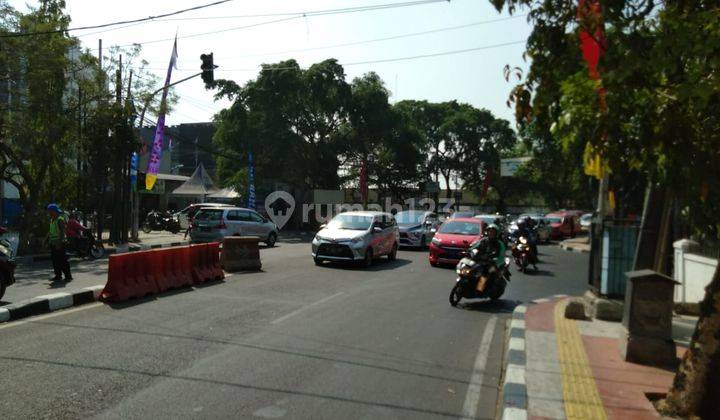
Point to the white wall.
(693, 272)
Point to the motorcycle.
(469, 270)
(7, 262)
(523, 254)
(161, 221)
(86, 246)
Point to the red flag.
(486, 181)
(592, 40)
(363, 181)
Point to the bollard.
(240, 253)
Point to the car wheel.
(318, 261)
(368, 262)
(2, 288)
(434, 264)
(97, 252)
(271, 239)
(146, 228)
(392, 256)
(455, 295)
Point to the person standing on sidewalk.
(56, 242)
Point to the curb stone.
(29, 259)
(49, 303)
(514, 387)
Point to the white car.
(417, 227)
(357, 236)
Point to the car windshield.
(462, 214)
(409, 217)
(487, 219)
(460, 228)
(209, 214)
(553, 219)
(350, 222)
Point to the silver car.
(213, 224)
(357, 236)
(417, 227)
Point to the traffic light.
(207, 68)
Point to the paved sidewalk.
(563, 368)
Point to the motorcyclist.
(489, 248)
(75, 232)
(526, 228)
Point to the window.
(210, 215)
(233, 215)
(244, 216)
(256, 218)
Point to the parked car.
(358, 236)
(417, 227)
(563, 225)
(542, 227)
(185, 216)
(453, 239)
(215, 223)
(498, 219)
(586, 221)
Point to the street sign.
(508, 167)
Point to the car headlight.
(436, 241)
(523, 240)
(319, 238)
(357, 239)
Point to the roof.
(228, 192)
(367, 213)
(172, 177)
(199, 183)
(466, 219)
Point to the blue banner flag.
(251, 182)
(133, 171)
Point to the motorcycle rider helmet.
(54, 207)
(494, 227)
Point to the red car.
(453, 238)
(563, 224)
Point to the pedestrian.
(56, 242)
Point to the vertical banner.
(156, 155)
(133, 171)
(251, 183)
(364, 182)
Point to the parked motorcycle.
(7, 262)
(469, 270)
(523, 254)
(156, 220)
(86, 246)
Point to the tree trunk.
(695, 391)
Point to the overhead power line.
(297, 16)
(388, 38)
(123, 22)
(383, 60)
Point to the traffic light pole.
(135, 213)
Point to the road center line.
(472, 397)
(297, 311)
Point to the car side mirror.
(377, 229)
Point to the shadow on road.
(500, 306)
(378, 265)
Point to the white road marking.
(472, 397)
(295, 312)
(52, 315)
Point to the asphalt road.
(294, 341)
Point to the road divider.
(139, 274)
(240, 253)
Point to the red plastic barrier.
(116, 288)
(159, 264)
(181, 266)
(214, 261)
(142, 274)
(199, 263)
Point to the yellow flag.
(150, 181)
(611, 199)
(594, 165)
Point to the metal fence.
(612, 254)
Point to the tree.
(662, 94)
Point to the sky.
(474, 77)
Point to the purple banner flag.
(156, 155)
